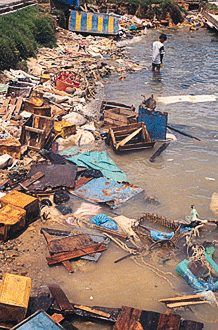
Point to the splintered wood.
(11, 106)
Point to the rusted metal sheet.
(58, 258)
(81, 181)
(55, 175)
(26, 202)
(61, 299)
(103, 190)
(12, 220)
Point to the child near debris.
(158, 53)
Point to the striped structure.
(93, 23)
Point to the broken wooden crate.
(23, 201)
(37, 132)
(131, 137)
(14, 298)
(106, 105)
(11, 106)
(119, 117)
(12, 220)
(10, 146)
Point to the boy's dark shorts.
(155, 66)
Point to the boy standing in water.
(158, 53)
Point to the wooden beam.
(92, 310)
(128, 138)
(60, 257)
(61, 299)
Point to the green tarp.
(99, 161)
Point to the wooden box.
(11, 147)
(31, 103)
(14, 297)
(131, 137)
(44, 111)
(36, 132)
(12, 220)
(26, 202)
(119, 117)
(64, 128)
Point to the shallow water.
(177, 179)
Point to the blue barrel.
(93, 23)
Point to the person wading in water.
(158, 53)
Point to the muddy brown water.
(177, 179)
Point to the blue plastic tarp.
(99, 161)
(158, 235)
(103, 190)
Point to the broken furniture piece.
(37, 132)
(131, 137)
(119, 116)
(11, 106)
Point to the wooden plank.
(182, 298)
(191, 325)
(187, 303)
(169, 322)
(92, 310)
(18, 105)
(117, 117)
(9, 112)
(61, 299)
(4, 106)
(128, 138)
(159, 151)
(70, 243)
(68, 266)
(4, 182)
(34, 130)
(112, 137)
(127, 127)
(128, 318)
(25, 184)
(57, 317)
(111, 232)
(55, 259)
(42, 302)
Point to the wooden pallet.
(10, 106)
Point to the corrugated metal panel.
(93, 23)
(155, 121)
(103, 190)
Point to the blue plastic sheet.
(104, 221)
(158, 235)
(99, 161)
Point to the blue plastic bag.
(104, 221)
